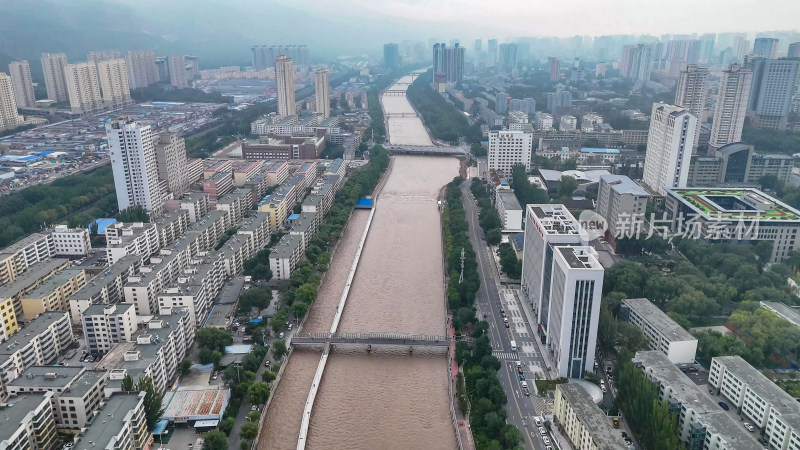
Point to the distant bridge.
(427, 150)
(397, 339)
(390, 115)
(393, 92)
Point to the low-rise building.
(235, 203)
(246, 171)
(509, 209)
(307, 173)
(583, 422)
(737, 164)
(77, 391)
(105, 287)
(121, 424)
(105, 325)
(194, 170)
(217, 166)
(218, 185)
(285, 255)
(277, 172)
(702, 424)
(257, 185)
(71, 241)
(11, 294)
(133, 238)
(195, 203)
(172, 226)
(620, 201)
(663, 333)
(37, 343)
(758, 400)
(52, 294)
(279, 204)
(786, 312)
(16, 258)
(196, 288)
(284, 147)
(29, 423)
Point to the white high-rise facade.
(177, 71)
(284, 78)
(509, 148)
(171, 158)
(322, 92)
(83, 88)
(774, 83)
(8, 105)
(731, 107)
(692, 94)
(21, 80)
(133, 161)
(53, 65)
(669, 147)
(116, 90)
(142, 70)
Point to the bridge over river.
(397, 339)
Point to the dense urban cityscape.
(539, 242)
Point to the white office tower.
(53, 65)
(575, 292)
(133, 161)
(774, 83)
(142, 70)
(8, 105)
(83, 88)
(731, 107)
(692, 94)
(508, 148)
(669, 147)
(171, 158)
(113, 74)
(322, 92)
(177, 71)
(21, 80)
(284, 78)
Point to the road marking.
(519, 410)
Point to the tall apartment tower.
(669, 147)
(731, 107)
(774, 83)
(491, 52)
(555, 67)
(177, 71)
(142, 70)
(53, 65)
(171, 160)
(692, 94)
(391, 56)
(83, 88)
(113, 75)
(766, 47)
(21, 80)
(322, 92)
(508, 148)
(284, 77)
(103, 55)
(794, 50)
(259, 58)
(508, 57)
(8, 105)
(134, 164)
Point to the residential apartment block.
(37, 343)
(663, 333)
(582, 421)
(16, 258)
(620, 200)
(28, 423)
(105, 325)
(121, 424)
(71, 241)
(509, 148)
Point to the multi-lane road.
(494, 303)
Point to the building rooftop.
(276, 166)
(307, 166)
(34, 273)
(51, 377)
(509, 200)
(334, 166)
(735, 203)
(99, 309)
(53, 283)
(762, 386)
(690, 395)
(24, 242)
(554, 219)
(100, 281)
(18, 407)
(35, 327)
(621, 184)
(660, 320)
(286, 247)
(785, 311)
(108, 423)
(580, 257)
(594, 420)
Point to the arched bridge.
(400, 339)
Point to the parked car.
(254, 408)
(546, 440)
(507, 326)
(542, 431)
(723, 406)
(749, 427)
(521, 377)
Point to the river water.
(380, 399)
(407, 130)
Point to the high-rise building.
(171, 160)
(83, 88)
(774, 82)
(192, 67)
(669, 147)
(449, 61)
(114, 84)
(558, 99)
(731, 107)
(8, 105)
(264, 56)
(692, 94)
(322, 92)
(53, 65)
(491, 52)
(259, 57)
(501, 102)
(478, 46)
(134, 164)
(707, 48)
(766, 47)
(509, 148)
(162, 66)
(142, 70)
(508, 57)
(177, 71)
(284, 77)
(21, 80)
(555, 68)
(794, 50)
(642, 64)
(626, 60)
(391, 56)
(103, 55)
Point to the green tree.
(153, 408)
(248, 431)
(253, 416)
(186, 366)
(279, 349)
(227, 424)
(135, 213)
(268, 376)
(493, 236)
(258, 393)
(299, 308)
(127, 383)
(213, 338)
(568, 186)
(215, 440)
(208, 356)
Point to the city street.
(490, 301)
